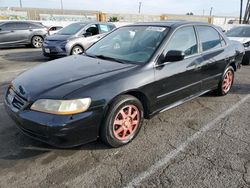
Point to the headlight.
(246, 45)
(61, 107)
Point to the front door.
(179, 80)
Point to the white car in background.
(54, 29)
(242, 35)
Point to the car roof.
(170, 23)
(94, 22)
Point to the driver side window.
(184, 40)
(92, 30)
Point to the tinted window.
(184, 40)
(104, 28)
(93, 30)
(21, 26)
(8, 26)
(239, 32)
(209, 37)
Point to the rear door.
(22, 32)
(214, 55)
(181, 79)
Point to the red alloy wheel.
(126, 122)
(227, 82)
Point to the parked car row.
(132, 73)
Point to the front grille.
(15, 100)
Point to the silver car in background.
(14, 33)
(75, 38)
(242, 35)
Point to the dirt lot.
(203, 143)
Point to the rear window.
(209, 37)
(104, 28)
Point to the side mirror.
(174, 55)
(87, 34)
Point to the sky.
(157, 7)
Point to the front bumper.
(54, 51)
(60, 131)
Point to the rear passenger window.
(184, 40)
(209, 37)
(21, 26)
(104, 28)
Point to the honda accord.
(132, 73)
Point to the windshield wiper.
(105, 58)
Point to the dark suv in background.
(14, 33)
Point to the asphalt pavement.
(202, 143)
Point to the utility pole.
(61, 4)
(211, 11)
(21, 4)
(241, 6)
(140, 3)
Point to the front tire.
(226, 82)
(77, 50)
(123, 121)
(37, 41)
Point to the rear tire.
(37, 41)
(122, 122)
(226, 82)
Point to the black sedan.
(132, 73)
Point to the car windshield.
(239, 32)
(71, 29)
(131, 44)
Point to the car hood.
(57, 37)
(58, 78)
(240, 39)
